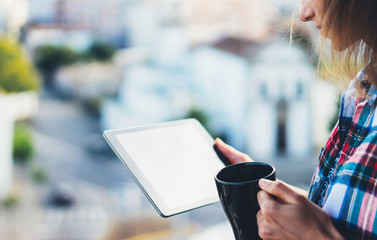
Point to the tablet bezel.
(155, 199)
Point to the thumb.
(234, 155)
(280, 190)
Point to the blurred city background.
(70, 69)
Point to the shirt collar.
(368, 87)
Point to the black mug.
(237, 186)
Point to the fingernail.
(264, 182)
(219, 142)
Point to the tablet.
(174, 163)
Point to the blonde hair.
(352, 27)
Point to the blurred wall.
(6, 137)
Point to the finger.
(275, 218)
(268, 205)
(281, 190)
(260, 218)
(268, 227)
(234, 155)
(263, 196)
(266, 230)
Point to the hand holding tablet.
(174, 163)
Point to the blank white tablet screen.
(177, 162)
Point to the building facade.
(280, 102)
(13, 16)
(6, 160)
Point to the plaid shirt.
(345, 181)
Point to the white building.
(260, 105)
(259, 95)
(3, 17)
(76, 37)
(220, 81)
(156, 87)
(6, 160)
(89, 81)
(280, 102)
(105, 18)
(13, 107)
(256, 95)
(13, 15)
(149, 94)
(246, 19)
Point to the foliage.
(49, 58)
(94, 106)
(39, 175)
(11, 201)
(301, 40)
(101, 51)
(23, 148)
(202, 117)
(17, 73)
(199, 115)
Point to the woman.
(342, 201)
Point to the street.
(70, 148)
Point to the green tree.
(23, 148)
(39, 175)
(11, 201)
(101, 51)
(17, 72)
(199, 115)
(49, 58)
